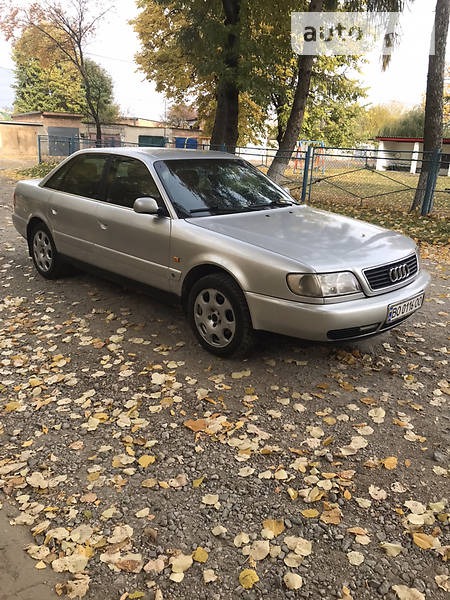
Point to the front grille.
(379, 277)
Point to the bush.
(39, 170)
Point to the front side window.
(81, 176)
(129, 179)
(203, 187)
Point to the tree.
(184, 50)
(101, 91)
(407, 124)
(374, 120)
(434, 102)
(66, 29)
(181, 115)
(294, 123)
(302, 88)
(52, 86)
(333, 111)
(188, 46)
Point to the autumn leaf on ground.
(241, 539)
(74, 588)
(390, 462)
(443, 581)
(200, 555)
(377, 493)
(196, 425)
(391, 549)
(310, 513)
(293, 581)
(146, 459)
(275, 526)
(424, 541)
(209, 576)
(248, 578)
(210, 499)
(260, 549)
(406, 593)
(181, 563)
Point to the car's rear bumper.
(325, 322)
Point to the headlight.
(323, 285)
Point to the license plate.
(401, 309)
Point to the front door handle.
(54, 211)
(103, 226)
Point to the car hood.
(316, 238)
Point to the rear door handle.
(54, 211)
(103, 226)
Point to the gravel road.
(139, 466)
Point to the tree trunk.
(433, 127)
(225, 131)
(295, 121)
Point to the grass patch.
(37, 171)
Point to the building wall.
(19, 140)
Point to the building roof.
(40, 113)
(383, 138)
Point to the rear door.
(74, 194)
(134, 245)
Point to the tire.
(219, 316)
(43, 251)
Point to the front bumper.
(325, 322)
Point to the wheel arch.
(197, 273)
(30, 226)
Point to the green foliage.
(44, 85)
(46, 80)
(101, 92)
(408, 124)
(333, 111)
(181, 46)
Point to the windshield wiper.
(273, 204)
(224, 210)
(216, 209)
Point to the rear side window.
(129, 179)
(81, 176)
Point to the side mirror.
(147, 206)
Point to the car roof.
(154, 154)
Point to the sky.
(115, 45)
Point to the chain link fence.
(377, 178)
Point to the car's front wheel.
(219, 316)
(45, 257)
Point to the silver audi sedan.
(236, 249)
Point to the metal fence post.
(433, 172)
(308, 155)
(39, 149)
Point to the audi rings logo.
(399, 273)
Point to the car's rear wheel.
(219, 316)
(45, 257)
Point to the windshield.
(203, 187)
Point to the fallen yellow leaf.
(390, 462)
(276, 526)
(310, 513)
(146, 459)
(424, 541)
(200, 555)
(248, 578)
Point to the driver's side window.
(129, 179)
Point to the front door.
(131, 244)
